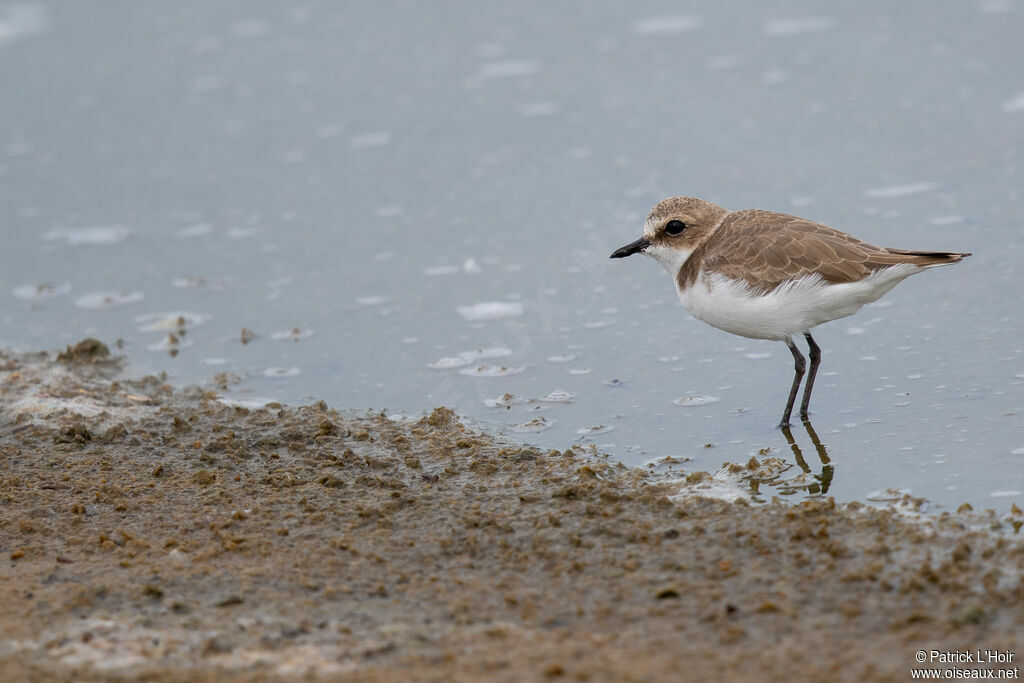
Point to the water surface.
(407, 205)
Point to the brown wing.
(765, 249)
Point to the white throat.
(671, 259)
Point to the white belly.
(791, 309)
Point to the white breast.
(791, 309)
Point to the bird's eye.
(674, 227)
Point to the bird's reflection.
(817, 484)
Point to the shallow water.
(403, 214)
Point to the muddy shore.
(160, 534)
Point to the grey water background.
(343, 178)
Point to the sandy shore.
(161, 534)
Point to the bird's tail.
(928, 259)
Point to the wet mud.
(159, 534)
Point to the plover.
(768, 275)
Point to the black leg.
(815, 361)
(799, 365)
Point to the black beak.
(631, 248)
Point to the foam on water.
(695, 400)
(98, 236)
(282, 372)
(795, 27)
(22, 20)
(492, 371)
(464, 358)
(44, 290)
(370, 140)
(167, 322)
(108, 299)
(595, 430)
(537, 424)
(508, 69)
(491, 310)
(906, 190)
(294, 334)
(1014, 104)
(558, 396)
(666, 25)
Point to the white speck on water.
(44, 290)
(598, 324)
(196, 230)
(282, 372)
(995, 6)
(1017, 451)
(794, 27)
(22, 20)
(252, 403)
(504, 401)
(108, 299)
(558, 396)
(855, 330)
(98, 236)
(667, 25)
(915, 376)
(946, 220)
(567, 358)
(694, 400)
(775, 76)
(886, 495)
(371, 300)
(167, 322)
(906, 190)
(370, 140)
(466, 357)
(250, 28)
(392, 211)
(491, 310)
(537, 424)
(723, 62)
(188, 282)
(869, 358)
(580, 371)
(1004, 494)
(434, 271)
(531, 109)
(241, 233)
(1015, 104)
(471, 267)
(492, 370)
(596, 429)
(294, 334)
(167, 343)
(511, 68)
(757, 355)
(214, 361)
